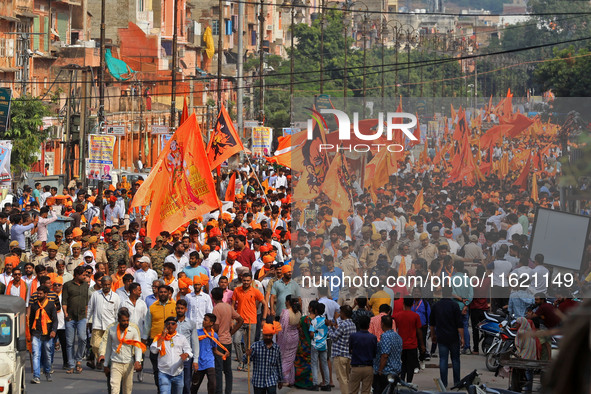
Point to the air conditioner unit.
(269, 27)
(182, 52)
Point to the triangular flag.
(224, 141)
(231, 190)
(180, 187)
(419, 202)
(185, 113)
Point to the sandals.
(78, 367)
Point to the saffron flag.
(335, 186)
(185, 113)
(534, 188)
(521, 181)
(224, 141)
(231, 190)
(419, 202)
(416, 133)
(379, 169)
(180, 187)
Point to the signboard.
(251, 123)
(5, 174)
(160, 129)
(291, 130)
(323, 102)
(49, 160)
(5, 95)
(116, 130)
(100, 156)
(261, 141)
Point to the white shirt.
(123, 294)
(398, 259)
(5, 279)
(102, 309)
(515, 229)
(214, 257)
(112, 215)
(540, 276)
(500, 273)
(175, 287)
(137, 313)
(179, 263)
(197, 306)
(234, 267)
(171, 363)
(281, 180)
(331, 307)
(145, 279)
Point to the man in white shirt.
(178, 258)
(102, 309)
(168, 270)
(230, 266)
(145, 277)
(121, 358)
(210, 257)
(136, 306)
(500, 269)
(281, 179)
(198, 303)
(172, 349)
(113, 213)
(540, 276)
(515, 226)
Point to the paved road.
(95, 382)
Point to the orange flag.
(416, 133)
(418, 205)
(231, 190)
(521, 181)
(224, 141)
(379, 169)
(180, 187)
(334, 186)
(185, 113)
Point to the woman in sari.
(288, 337)
(527, 348)
(303, 370)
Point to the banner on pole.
(5, 151)
(262, 137)
(100, 156)
(5, 98)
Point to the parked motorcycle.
(490, 327)
(503, 344)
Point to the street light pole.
(220, 52)
(322, 47)
(261, 63)
(174, 62)
(101, 111)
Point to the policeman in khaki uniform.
(62, 247)
(370, 253)
(53, 257)
(37, 253)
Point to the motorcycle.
(490, 327)
(503, 344)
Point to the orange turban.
(227, 217)
(200, 279)
(266, 248)
(53, 276)
(232, 255)
(286, 268)
(76, 232)
(215, 232)
(268, 259)
(205, 247)
(58, 279)
(184, 283)
(14, 260)
(271, 329)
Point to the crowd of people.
(233, 291)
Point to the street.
(95, 381)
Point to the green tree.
(25, 131)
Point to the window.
(140, 5)
(2, 47)
(5, 330)
(215, 27)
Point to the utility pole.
(220, 51)
(174, 63)
(261, 63)
(141, 138)
(68, 132)
(83, 124)
(322, 47)
(240, 71)
(101, 111)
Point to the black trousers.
(223, 368)
(410, 361)
(154, 361)
(198, 379)
(476, 316)
(380, 382)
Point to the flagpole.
(258, 180)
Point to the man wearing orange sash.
(123, 354)
(43, 327)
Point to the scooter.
(490, 327)
(503, 343)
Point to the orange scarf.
(231, 271)
(402, 267)
(167, 337)
(41, 312)
(22, 288)
(168, 282)
(93, 250)
(34, 285)
(262, 273)
(131, 342)
(211, 336)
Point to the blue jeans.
(452, 350)
(188, 373)
(465, 320)
(42, 347)
(316, 355)
(75, 328)
(170, 384)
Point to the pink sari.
(288, 339)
